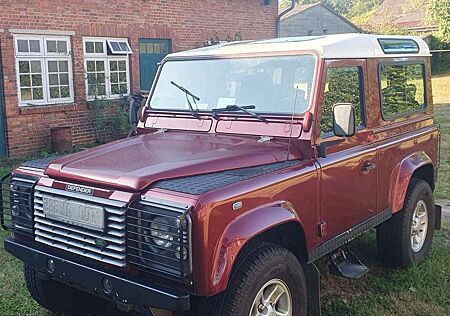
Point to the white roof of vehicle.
(328, 46)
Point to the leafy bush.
(109, 119)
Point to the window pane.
(101, 90)
(122, 65)
(157, 48)
(24, 67)
(53, 66)
(149, 48)
(22, 46)
(142, 48)
(402, 89)
(115, 46)
(90, 65)
(62, 46)
(36, 80)
(92, 89)
(36, 66)
(65, 92)
(164, 48)
(113, 65)
(51, 46)
(343, 86)
(124, 47)
(54, 92)
(25, 94)
(91, 78)
(63, 66)
(89, 47)
(38, 94)
(53, 79)
(25, 81)
(123, 89)
(34, 46)
(115, 89)
(100, 65)
(99, 47)
(64, 79)
(122, 77)
(101, 78)
(114, 77)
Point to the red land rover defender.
(252, 161)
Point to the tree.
(439, 12)
(349, 8)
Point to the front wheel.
(406, 238)
(268, 281)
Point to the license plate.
(73, 212)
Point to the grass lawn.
(441, 89)
(443, 184)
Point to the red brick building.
(52, 53)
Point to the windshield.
(271, 84)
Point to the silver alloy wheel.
(419, 226)
(273, 299)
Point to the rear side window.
(402, 89)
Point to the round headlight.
(160, 230)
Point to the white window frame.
(106, 59)
(113, 51)
(44, 58)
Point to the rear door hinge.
(323, 229)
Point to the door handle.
(368, 166)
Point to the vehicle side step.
(345, 263)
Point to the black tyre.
(406, 238)
(268, 279)
(58, 298)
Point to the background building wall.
(316, 20)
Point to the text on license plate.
(73, 212)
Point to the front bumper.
(125, 293)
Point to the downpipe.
(283, 13)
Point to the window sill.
(49, 108)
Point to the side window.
(402, 89)
(344, 85)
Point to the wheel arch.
(417, 165)
(276, 223)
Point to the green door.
(2, 115)
(151, 52)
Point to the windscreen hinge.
(160, 131)
(264, 139)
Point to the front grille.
(16, 203)
(158, 237)
(107, 246)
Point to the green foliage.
(439, 12)
(109, 119)
(348, 8)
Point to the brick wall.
(313, 21)
(187, 22)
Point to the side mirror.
(133, 111)
(344, 120)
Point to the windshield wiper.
(236, 108)
(189, 94)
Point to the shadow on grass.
(418, 290)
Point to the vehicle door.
(348, 174)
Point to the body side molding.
(347, 236)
